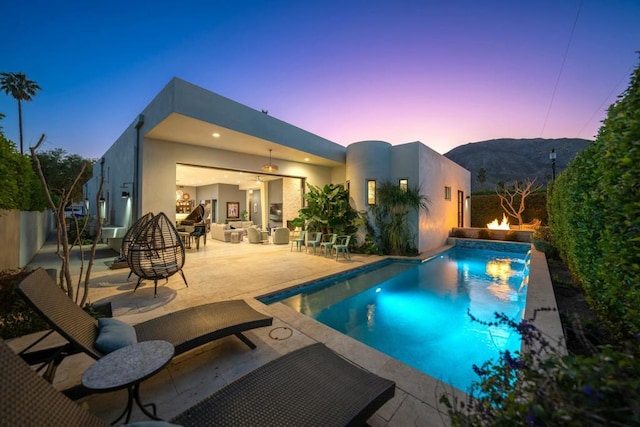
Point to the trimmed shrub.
(543, 241)
(20, 187)
(594, 208)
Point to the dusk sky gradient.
(442, 72)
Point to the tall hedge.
(594, 214)
(20, 187)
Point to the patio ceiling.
(195, 176)
(186, 130)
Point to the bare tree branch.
(512, 201)
(63, 249)
(85, 294)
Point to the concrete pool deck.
(220, 271)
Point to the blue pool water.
(417, 313)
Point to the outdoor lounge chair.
(185, 329)
(312, 386)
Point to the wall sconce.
(125, 186)
(468, 197)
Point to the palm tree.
(391, 213)
(22, 89)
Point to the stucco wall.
(10, 238)
(436, 172)
(22, 234)
(366, 160)
(423, 168)
(117, 167)
(194, 101)
(34, 229)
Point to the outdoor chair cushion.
(114, 334)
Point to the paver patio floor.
(219, 271)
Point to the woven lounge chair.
(312, 386)
(185, 329)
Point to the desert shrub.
(83, 227)
(544, 388)
(594, 209)
(16, 317)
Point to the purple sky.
(441, 72)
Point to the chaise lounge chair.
(185, 329)
(312, 386)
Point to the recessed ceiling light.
(306, 159)
(215, 135)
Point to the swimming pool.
(417, 313)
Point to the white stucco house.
(190, 145)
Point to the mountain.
(506, 160)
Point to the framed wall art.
(233, 210)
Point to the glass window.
(371, 191)
(404, 184)
(447, 193)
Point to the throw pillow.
(114, 334)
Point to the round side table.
(126, 368)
